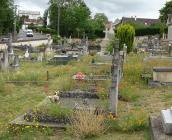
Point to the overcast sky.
(112, 8)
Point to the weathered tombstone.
(70, 40)
(113, 97)
(16, 62)
(162, 74)
(49, 42)
(166, 118)
(106, 34)
(4, 60)
(40, 57)
(86, 46)
(27, 55)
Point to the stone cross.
(106, 33)
(70, 40)
(115, 79)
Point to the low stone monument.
(161, 126)
(166, 118)
(27, 55)
(16, 62)
(4, 63)
(162, 74)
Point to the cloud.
(112, 8)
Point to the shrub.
(134, 120)
(86, 124)
(125, 33)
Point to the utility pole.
(58, 22)
(15, 23)
(113, 96)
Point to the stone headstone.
(70, 40)
(4, 60)
(16, 62)
(27, 55)
(40, 57)
(166, 118)
(106, 34)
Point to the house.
(145, 21)
(31, 17)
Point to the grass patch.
(129, 93)
(134, 120)
(52, 109)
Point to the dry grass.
(86, 124)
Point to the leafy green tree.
(6, 16)
(126, 33)
(74, 15)
(100, 21)
(167, 9)
(45, 16)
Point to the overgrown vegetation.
(52, 109)
(126, 33)
(133, 120)
(86, 124)
(131, 123)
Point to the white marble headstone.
(166, 118)
(27, 54)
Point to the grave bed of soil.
(79, 94)
(32, 116)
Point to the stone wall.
(33, 43)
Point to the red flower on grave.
(80, 76)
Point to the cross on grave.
(106, 33)
(113, 97)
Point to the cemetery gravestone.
(27, 53)
(113, 97)
(16, 62)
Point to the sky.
(112, 8)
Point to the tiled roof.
(140, 20)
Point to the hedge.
(148, 31)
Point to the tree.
(126, 33)
(6, 16)
(74, 15)
(167, 9)
(45, 16)
(101, 20)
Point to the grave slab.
(166, 118)
(156, 128)
(19, 121)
